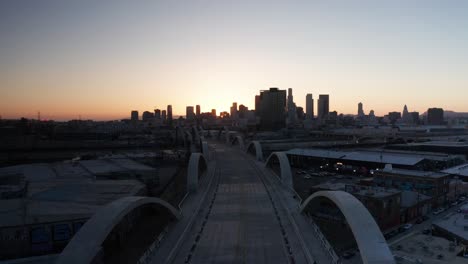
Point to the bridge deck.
(241, 226)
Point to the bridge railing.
(149, 253)
(323, 241)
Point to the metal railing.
(149, 253)
(323, 241)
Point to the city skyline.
(74, 59)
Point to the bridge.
(240, 211)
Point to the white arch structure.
(86, 244)
(180, 132)
(372, 244)
(205, 150)
(255, 145)
(196, 159)
(285, 167)
(240, 140)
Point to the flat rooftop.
(460, 170)
(65, 190)
(374, 156)
(414, 173)
(454, 223)
(426, 248)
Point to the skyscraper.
(169, 114)
(134, 115)
(163, 115)
(291, 106)
(147, 116)
(360, 110)
(257, 105)
(189, 113)
(234, 110)
(309, 106)
(272, 104)
(323, 106)
(213, 112)
(157, 114)
(197, 110)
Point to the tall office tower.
(323, 106)
(147, 116)
(257, 105)
(291, 106)
(189, 113)
(309, 106)
(415, 117)
(157, 114)
(360, 110)
(169, 114)
(435, 116)
(213, 112)
(163, 115)
(134, 115)
(234, 110)
(243, 111)
(197, 107)
(272, 105)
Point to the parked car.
(426, 231)
(463, 198)
(419, 220)
(454, 203)
(407, 226)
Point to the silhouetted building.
(309, 106)
(435, 116)
(134, 115)
(198, 110)
(163, 115)
(257, 105)
(272, 104)
(291, 106)
(360, 110)
(300, 113)
(189, 113)
(213, 112)
(394, 116)
(234, 110)
(406, 117)
(323, 106)
(415, 117)
(147, 116)
(157, 114)
(169, 114)
(243, 111)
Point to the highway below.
(243, 218)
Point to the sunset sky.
(102, 59)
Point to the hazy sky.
(101, 59)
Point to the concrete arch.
(86, 244)
(196, 133)
(180, 133)
(255, 146)
(197, 162)
(286, 173)
(239, 140)
(372, 244)
(205, 150)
